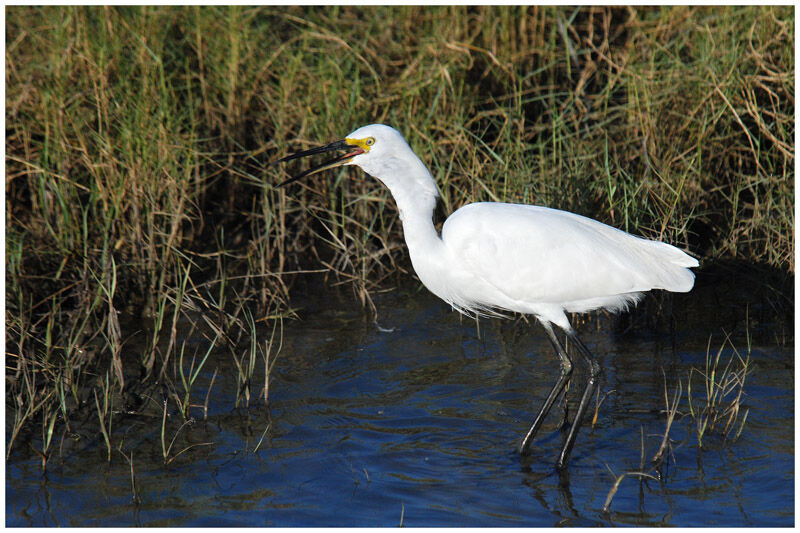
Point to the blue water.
(418, 426)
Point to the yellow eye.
(369, 141)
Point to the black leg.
(566, 370)
(594, 373)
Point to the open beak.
(354, 150)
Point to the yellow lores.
(364, 144)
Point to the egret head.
(369, 147)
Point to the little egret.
(494, 257)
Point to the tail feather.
(673, 268)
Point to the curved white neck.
(414, 191)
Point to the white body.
(528, 259)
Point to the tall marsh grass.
(137, 143)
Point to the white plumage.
(542, 261)
(494, 257)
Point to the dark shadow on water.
(365, 426)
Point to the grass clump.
(137, 142)
(720, 399)
(718, 409)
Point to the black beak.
(341, 160)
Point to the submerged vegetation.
(139, 201)
(716, 409)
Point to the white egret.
(493, 257)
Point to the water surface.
(418, 425)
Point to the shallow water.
(419, 426)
